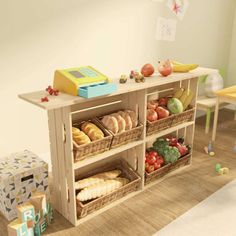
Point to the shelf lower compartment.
(106, 154)
(165, 170)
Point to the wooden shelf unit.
(65, 109)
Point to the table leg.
(208, 120)
(215, 119)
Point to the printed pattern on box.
(21, 174)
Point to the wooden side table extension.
(227, 95)
(207, 105)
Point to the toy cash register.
(84, 82)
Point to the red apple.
(147, 70)
(162, 112)
(163, 102)
(165, 68)
(151, 115)
(152, 105)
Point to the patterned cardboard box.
(21, 174)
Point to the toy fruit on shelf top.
(165, 68)
(133, 73)
(147, 70)
(123, 79)
(180, 67)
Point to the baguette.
(101, 189)
(96, 179)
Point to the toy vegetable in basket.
(171, 149)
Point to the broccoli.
(170, 154)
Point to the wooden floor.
(153, 209)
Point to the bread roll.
(110, 123)
(75, 131)
(92, 131)
(81, 138)
(128, 121)
(121, 122)
(87, 126)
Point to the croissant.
(96, 179)
(101, 189)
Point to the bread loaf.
(110, 123)
(121, 122)
(134, 117)
(98, 178)
(101, 189)
(128, 121)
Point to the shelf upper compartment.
(64, 100)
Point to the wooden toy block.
(40, 226)
(26, 213)
(49, 215)
(17, 228)
(38, 200)
(30, 231)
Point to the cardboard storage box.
(21, 174)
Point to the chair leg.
(215, 119)
(208, 120)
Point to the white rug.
(215, 216)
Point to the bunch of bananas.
(185, 96)
(179, 67)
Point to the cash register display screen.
(76, 74)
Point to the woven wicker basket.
(126, 136)
(85, 208)
(185, 116)
(93, 148)
(159, 125)
(170, 121)
(157, 174)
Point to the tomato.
(151, 160)
(147, 155)
(157, 166)
(160, 160)
(153, 153)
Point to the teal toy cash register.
(84, 82)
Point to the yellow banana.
(188, 100)
(184, 68)
(179, 93)
(184, 96)
(180, 67)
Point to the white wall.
(204, 36)
(232, 57)
(37, 37)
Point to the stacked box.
(21, 174)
